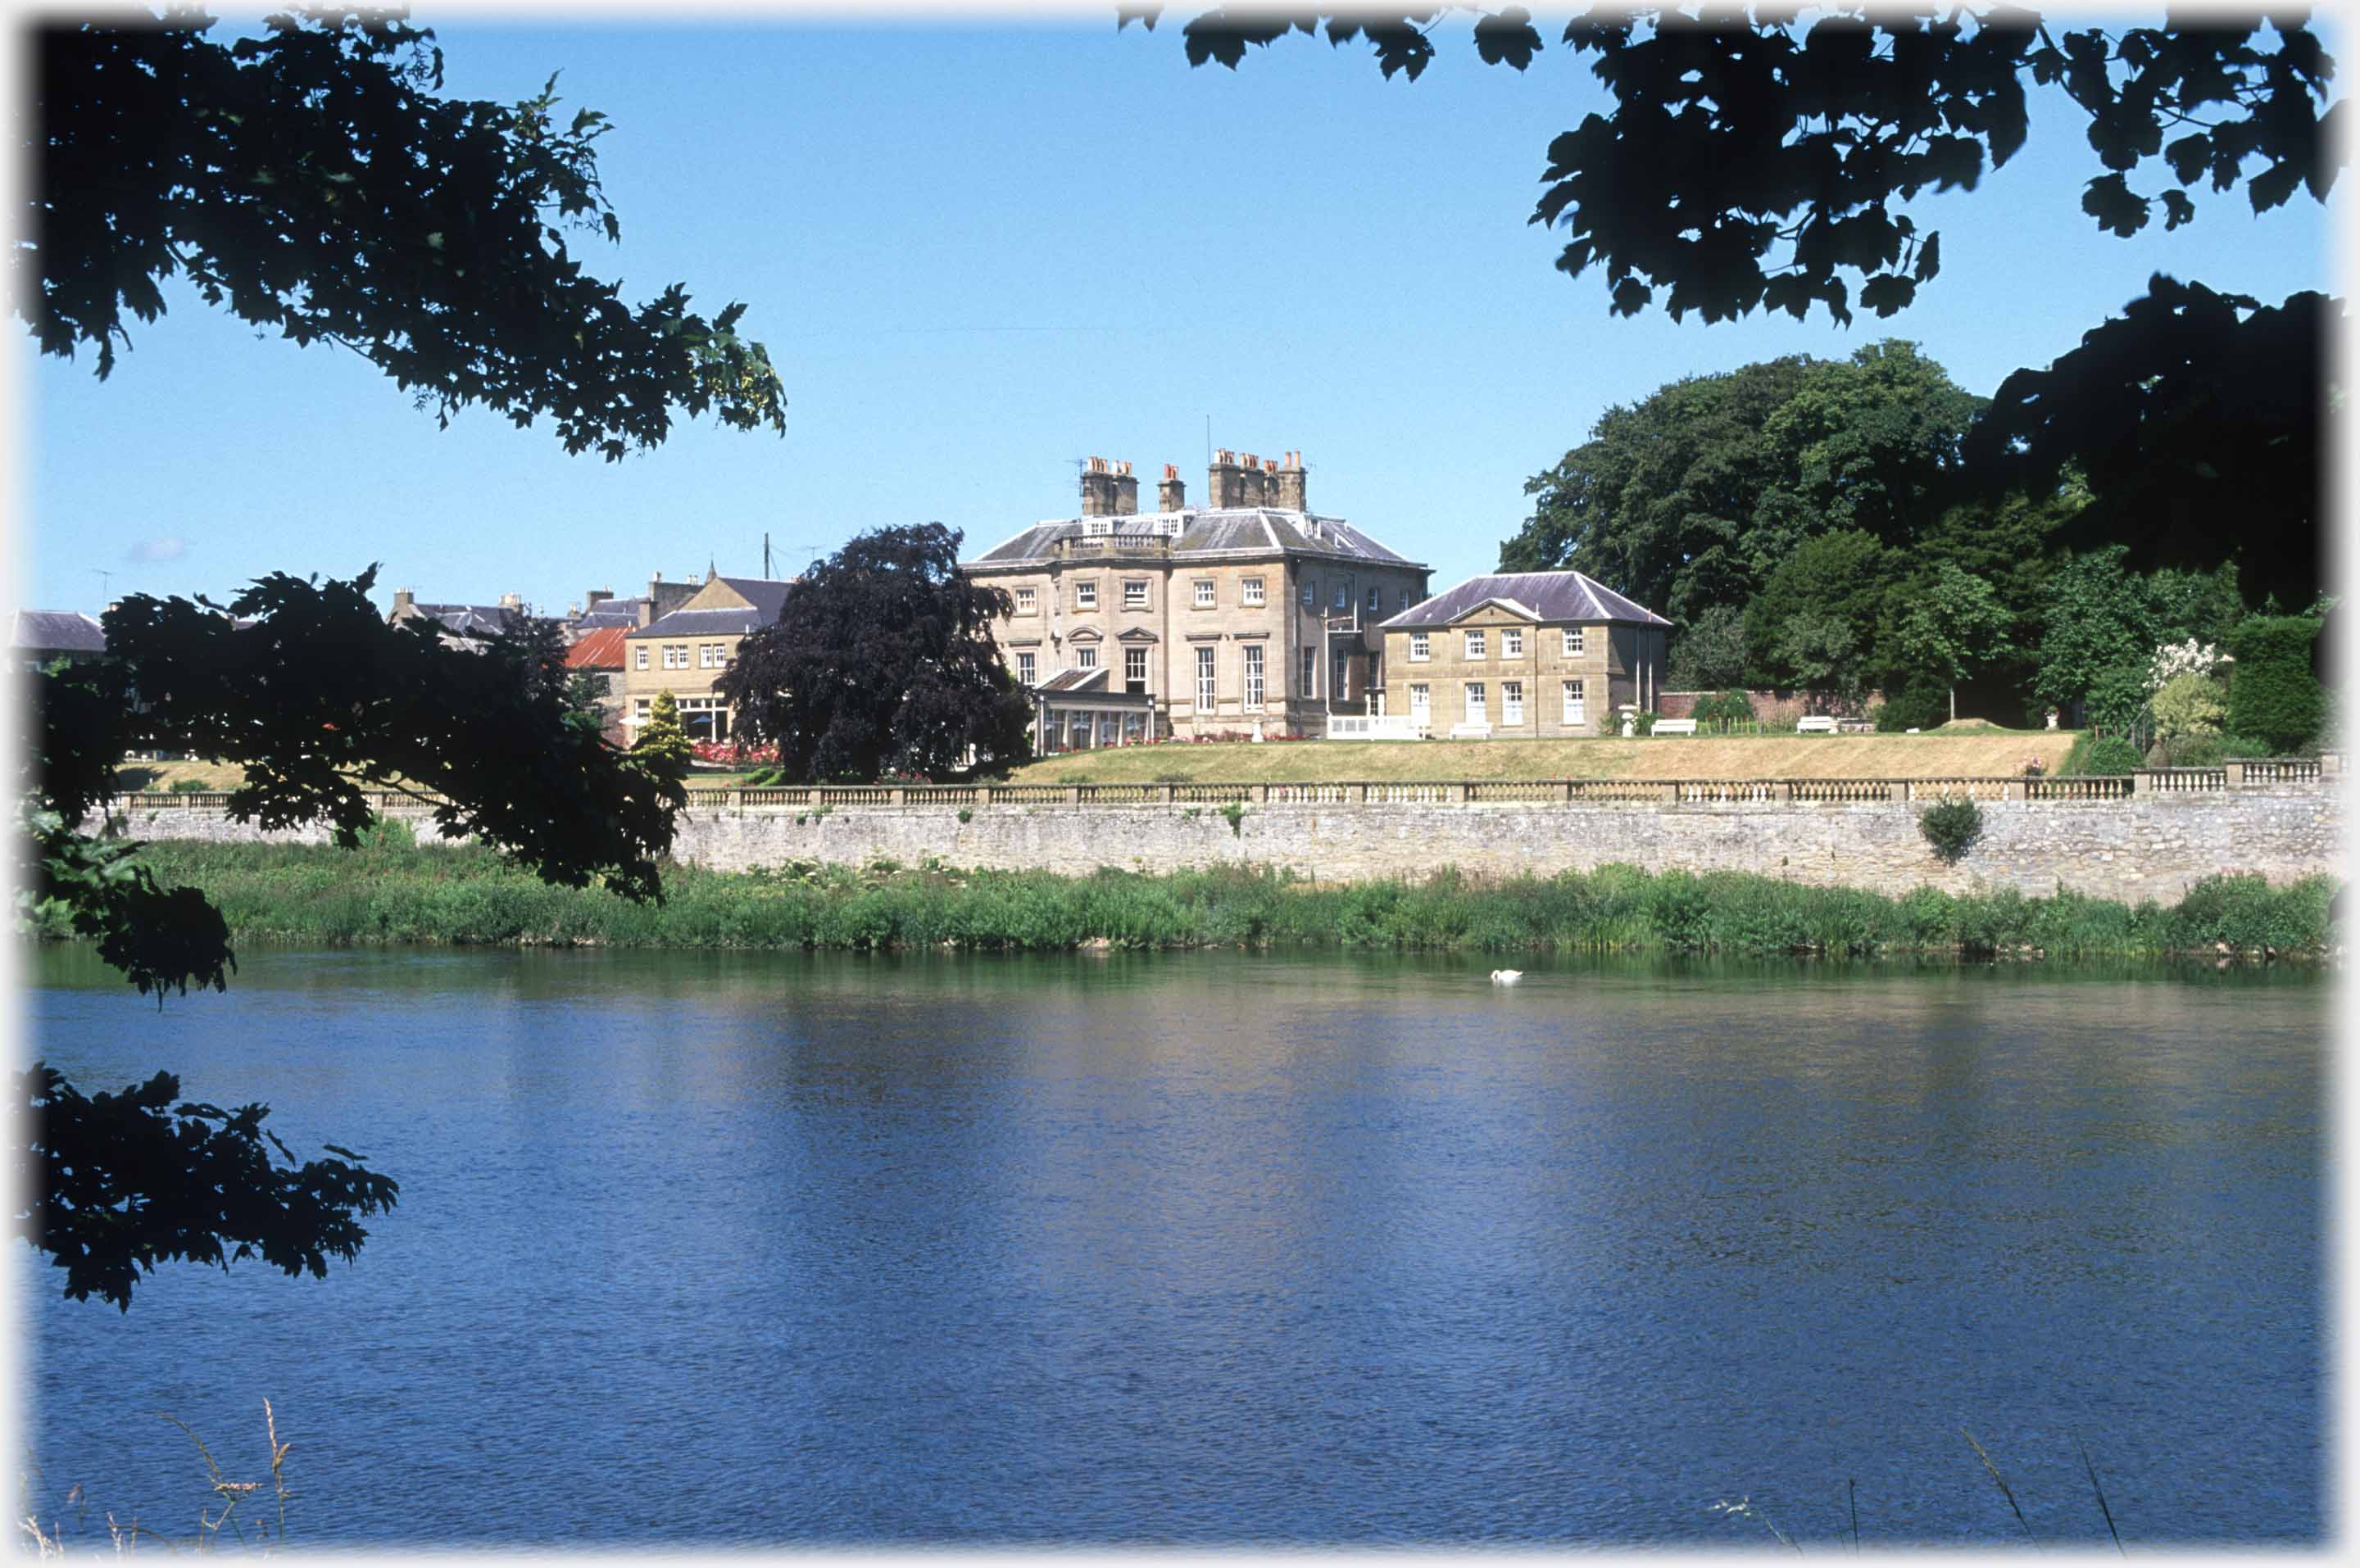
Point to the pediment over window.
(1514, 610)
(1087, 634)
(1137, 634)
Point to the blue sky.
(978, 252)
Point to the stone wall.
(2150, 846)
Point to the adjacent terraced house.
(685, 650)
(1252, 614)
(1522, 654)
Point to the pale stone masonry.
(685, 650)
(1253, 615)
(2150, 845)
(1522, 656)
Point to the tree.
(2273, 696)
(1708, 652)
(661, 741)
(1820, 651)
(312, 181)
(1954, 624)
(318, 699)
(125, 1182)
(1760, 157)
(2103, 622)
(1695, 495)
(1841, 576)
(881, 659)
(1764, 158)
(2190, 408)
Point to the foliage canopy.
(881, 660)
(313, 181)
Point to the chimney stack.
(596, 597)
(1250, 481)
(404, 600)
(1292, 486)
(1097, 489)
(1171, 495)
(1224, 482)
(1126, 491)
(512, 602)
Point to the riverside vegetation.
(390, 890)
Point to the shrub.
(2273, 695)
(1642, 723)
(1951, 827)
(1920, 704)
(2187, 708)
(186, 786)
(1723, 707)
(2110, 755)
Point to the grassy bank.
(1936, 755)
(392, 892)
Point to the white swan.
(1506, 977)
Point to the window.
(1340, 686)
(1026, 670)
(1421, 646)
(1085, 656)
(1134, 670)
(1310, 595)
(1204, 592)
(1343, 596)
(640, 657)
(1511, 642)
(1135, 593)
(1421, 703)
(1405, 598)
(1577, 711)
(708, 656)
(1028, 601)
(1475, 712)
(1475, 644)
(1249, 590)
(1573, 642)
(1086, 595)
(1310, 672)
(1253, 675)
(1512, 703)
(1376, 599)
(675, 656)
(1204, 680)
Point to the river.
(702, 1248)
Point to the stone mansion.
(1249, 615)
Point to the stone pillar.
(736, 799)
(1356, 794)
(2236, 772)
(2015, 790)
(1073, 795)
(1672, 794)
(1164, 793)
(1260, 793)
(897, 796)
(2331, 764)
(1785, 792)
(1564, 791)
(983, 795)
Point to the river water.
(706, 1247)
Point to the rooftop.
(58, 631)
(1206, 531)
(1546, 596)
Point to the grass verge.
(390, 891)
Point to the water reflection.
(1226, 1247)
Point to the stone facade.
(2149, 847)
(686, 651)
(1522, 656)
(1234, 620)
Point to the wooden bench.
(1470, 732)
(1674, 726)
(1817, 724)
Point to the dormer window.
(1097, 527)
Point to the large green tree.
(1695, 495)
(1841, 577)
(881, 660)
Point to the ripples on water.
(1229, 1248)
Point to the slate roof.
(1546, 596)
(57, 631)
(601, 650)
(767, 595)
(611, 613)
(1206, 532)
(474, 620)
